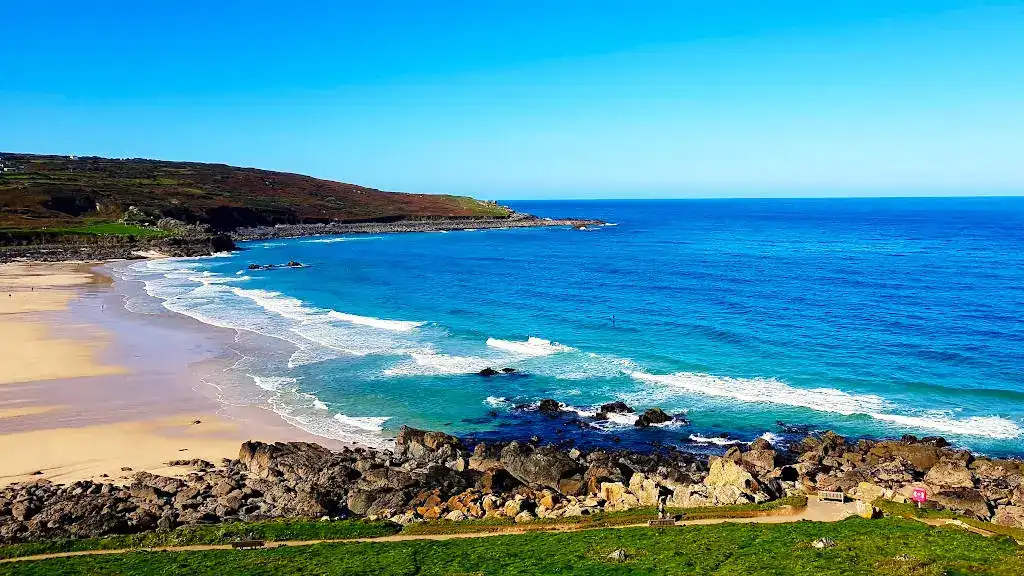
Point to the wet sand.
(91, 391)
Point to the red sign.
(919, 495)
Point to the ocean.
(870, 317)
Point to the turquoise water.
(870, 317)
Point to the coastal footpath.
(432, 475)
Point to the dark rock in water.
(293, 264)
(793, 428)
(617, 407)
(488, 372)
(937, 441)
(549, 406)
(601, 416)
(652, 416)
(508, 370)
(254, 267)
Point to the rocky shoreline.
(432, 475)
(57, 248)
(516, 220)
(114, 248)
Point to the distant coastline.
(517, 220)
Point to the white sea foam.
(531, 347)
(771, 391)
(272, 383)
(429, 363)
(767, 390)
(990, 426)
(496, 401)
(368, 423)
(278, 303)
(697, 438)
(396, 325)
(336, 240)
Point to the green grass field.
(274, 530)
(891, 546)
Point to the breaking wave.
(771, 391)
(531, 347)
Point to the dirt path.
(814, 511)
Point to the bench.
(831, 496)
(247, 544)
(662, 522)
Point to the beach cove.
(89, 391)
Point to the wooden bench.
(831, 496)
(247, 544)
(662, 522)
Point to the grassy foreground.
(891, 546)
(272, 530)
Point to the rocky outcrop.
(539, 467)
(432, 475)
(549, 406)
(651, 417)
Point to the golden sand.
(30, 351)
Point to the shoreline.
(92, 388)
(105, 248)
(130, 426)
(282, 231)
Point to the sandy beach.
(81, 401)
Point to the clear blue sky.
(535, 99)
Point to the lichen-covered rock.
(950, 475)
(1010, 516)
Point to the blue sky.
(530, 99)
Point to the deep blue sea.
(872, 317)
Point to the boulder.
(1008, 471)
(385, 479)
(1010, 516)
(359, 501)
(646, 489)
(293, 460)
(617, 497)
(920, 456)
(868, 492)
(420, 444)
(601, 470)
(723, 472)
(496, 481)
(488, 372)
(950, 475)
(966, 501)
(539, 467)
(760, 460)
(652, 416)
(523, 517)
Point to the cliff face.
(59, 191)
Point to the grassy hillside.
(890, 546)
(60, 192)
